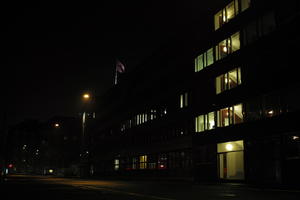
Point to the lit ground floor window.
(231, 160)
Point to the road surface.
(45, 187)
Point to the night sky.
(52, 51)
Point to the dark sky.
(55, 50)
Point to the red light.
(10, 165)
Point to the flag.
(120, 67)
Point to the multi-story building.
(225, 112)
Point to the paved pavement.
(43, 187)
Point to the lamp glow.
(86, 96)
(229, 147)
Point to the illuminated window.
(204, 60)
(229, 12)
(226, 14)
(228, 46)
(231, 160)
(199, 63)
(210, 120)
(238, 116)
(223, 117)
(199, 123)
(205, 122)
(117, 164)
(235, 42)
(231, 115)
(152, 114)
(228, 81)
(143, 162)
(184, 100)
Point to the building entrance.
(231, 160)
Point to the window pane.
(236, 7)
(225, 82)
(230, 13)
(181, 101)
(218, 20)
(239, 76)
(223, 117)
(200, 62)
(235, 165)
(201, 123)
(232, 79)
(219, 84)
(211, 121)
(210, 57)
(235, 42)
(230, 146)
(222, 49)
(245, 4)
(186, 99)
(204, 60)
(238, 114)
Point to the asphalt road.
(42, 187)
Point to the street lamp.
(84, 153)
(86, 96)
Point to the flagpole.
(116, 76)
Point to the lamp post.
(86, 98)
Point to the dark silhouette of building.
(225, 109)
(45, 147)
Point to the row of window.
(221, 118)
(153, 114)
(169, 160)
(251, 32)
(142, 118)
(230, 11)
(220, 51)
(223, 82)
(257, 108)
(183, 100)
(228, 80)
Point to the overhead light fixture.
(229, 147)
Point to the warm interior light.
(56, 124)
(225, 49)
(51, 171)
(295, 137)
(229, 147)
(271, 112)
(86, 96)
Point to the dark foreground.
(39, 187)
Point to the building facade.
(223, 110)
